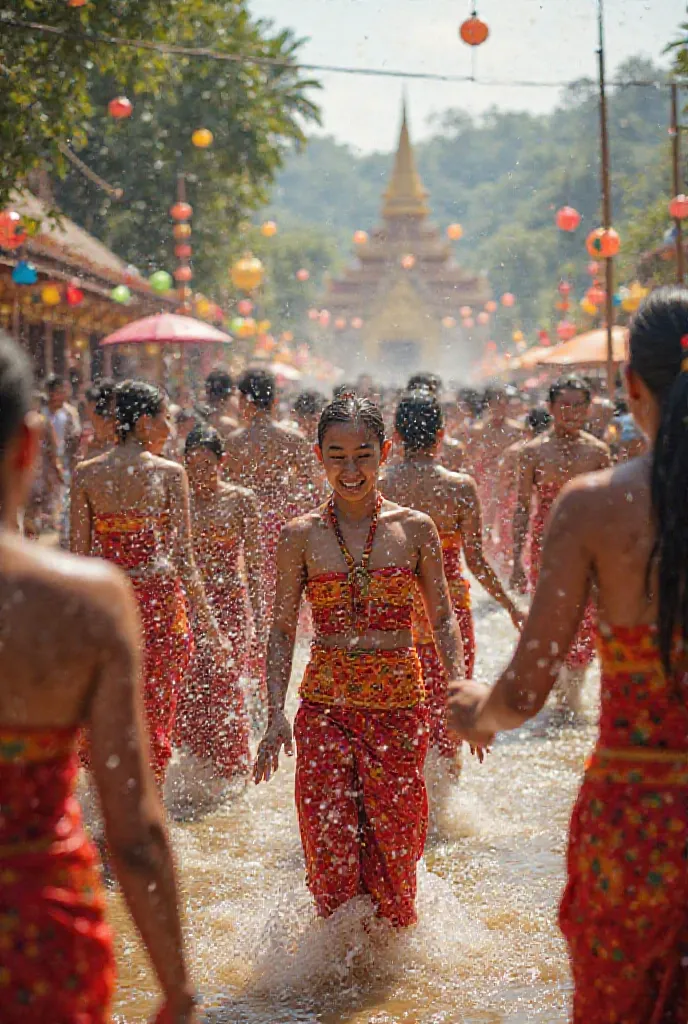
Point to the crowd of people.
(216, 521)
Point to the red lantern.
(566, 330)
(120, 107)
(244, 307)
(181, 211)
(483, 318)
(183, 251)
(508, 300)
(567, 218)
(564, 305)
(73, 293)
(12, 234)
(543, 338)
(360, 237)
(678, 207)
(302, 274)
(357, 323)
(603, 242)
(564, 288)
(595, 294)
(465, 311)
(183, 274)
(473, 31)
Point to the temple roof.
(405, 195)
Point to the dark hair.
(350, 408)
(418, 420)
(218, 385)
(52, 383)
(343, 389)
(259, 387)
(494, 392)
(429, 381)
(309, 403)
(205, 437)
(538, 419)
(569, 383)
(102, 394)
(134, 399)
(16, 388)
(657, 355)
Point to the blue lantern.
(24, 273)
(617, 298)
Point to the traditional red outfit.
(625, 909)
(583, 647)
(361, 737)
(211, 717)
(134, 541)
(56, 959)
(442, 740)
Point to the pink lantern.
(543, 338)
(508, 300)
(465, 311)
(490, 346)
(593, 268)
(565, 330)
(483, 318)
(564, 288)
(313, 314)
(302, 274)
(469, 322)
(568, 219)
(357, 323)
(595, 294)
(324, 317)
(491, 306)
(244, 307)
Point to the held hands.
(277, 735)
(465, 700)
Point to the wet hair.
(538, 420)
(343, 389)
(134, 399)
(16, 389)
(309, 403)
(52, 383)
(205, 438)
(102, 394)
(418, 420)
(351, 408)
(429, 381)
(569, 383)
(218, 385)
(658, 334)
(259, 387)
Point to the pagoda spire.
(405, 195)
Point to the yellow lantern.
(181, 231)
(517, 336)
(588, 307)
(268, 229)
(202, 138)
(263, 326)
(247, 273)
(454, 232)
(204, 307)
(80, 344)
(247, 328)
(152, 349)
(636, 293)
(287, 336)
(50, 295)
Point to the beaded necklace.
(358, 575)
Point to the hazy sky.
(533, 39)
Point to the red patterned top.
(131, 540)
(389, 600)
(459, 587)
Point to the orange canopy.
(588, 349)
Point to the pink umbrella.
(167, 329)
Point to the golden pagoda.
(396, 307)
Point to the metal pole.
(606, 201)
(675, 132)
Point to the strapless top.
(217, 553)
(132, 540)
(38, 811)
(641, 707)
(459, 587)
(389, 601)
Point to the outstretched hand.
(465, 699)
(277, 735)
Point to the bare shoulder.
(242, 497)
(530, 451)
(585, 498)
(593, 444)
(458, 478)
(416, 523)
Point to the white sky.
(531, 39)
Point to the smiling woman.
(361, 728)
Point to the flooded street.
(486, 948)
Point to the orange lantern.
(302, 274)
(181, 231)
(183, 274)
(12, 233)
(469, 322)
(678, 207)
(508, 300)
(564, 305)
(247, 328)
(357, 323)
(603, 242)
(517, 336)
(202, 138)
(120, 108)
(465, 311)
(76, 3)
(340, 323)
(595, 294)
(448, 322)
(473, 31)
(181, 211)
(483, 318)
(247, 273)
(360, 237)
(287, 336)
(263, 326)
(408, 261)
(568, 219)
(268, 229)
(183, 251)
(491, 306)
(454, 232)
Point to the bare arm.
(291, 576)
(437, 601)
(134, 820)
(253, 554)
(472, 533)
(80, 524)
(526, 482)
(556, 612)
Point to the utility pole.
(675, 132)
(606, 202)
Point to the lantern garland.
(182, 213)
(473, 31)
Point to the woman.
(451, 500)
(624, 909)
(69, 661)
(225, 524)
(361, 729)
(132, 508)
(98, 434)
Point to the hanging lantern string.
(116, 193)
(204, 53)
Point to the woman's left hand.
(465, 700)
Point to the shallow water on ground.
(486, 948)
